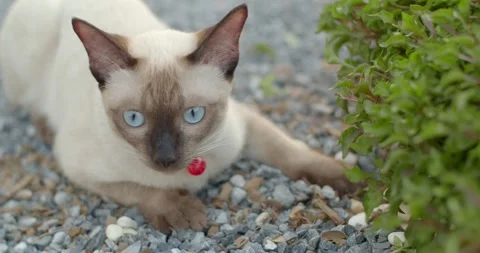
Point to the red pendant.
(197, 166)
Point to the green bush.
(410, 84)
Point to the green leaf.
(396, 40)
(264, 48)
(347, 137)
(387, 17)
(364, 144)
(356, 175)
(267, 85)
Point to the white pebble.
(399, 235)
(328, 192)
(350, 158)
(260, 220)
(176, 250)
(59, 237)
(20, 247)
(238, 180)
(61, 198)
(27, 221)
(130, 231)
(126, 222)
(238, 195)
(114, 232)
(24, 194)
(359, 220)
(269, 245)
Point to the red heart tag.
(197, 166)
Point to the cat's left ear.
(219, 44)
(106, 52)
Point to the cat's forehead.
(162, 48)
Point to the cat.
(129, 102)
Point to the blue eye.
(133, 118)
(194, 114)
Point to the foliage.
(411, 88)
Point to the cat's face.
(166, 92)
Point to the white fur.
(44, 68)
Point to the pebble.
(399, 235)
(222, 218)
(328, 192)
(299, 247)
(114, 232)
(61, 198)
(27, 221)
(59, 237)
(74, 211)
(269, 245)
(381, 245)
(350, 158)
(238, 181)
(20, 247)
(282, 194)
(24, 194)
(289, 236)
(134, 248)
(127, 222)
(43, 241)
(358, 221)
(260, 220)
(238, 195)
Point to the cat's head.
(165, 92)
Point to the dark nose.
(165, 151)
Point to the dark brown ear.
(218, 45)
(106, 52)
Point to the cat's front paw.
(175, 210)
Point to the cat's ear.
(106, 52)
(219, 44)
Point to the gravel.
(276, 214)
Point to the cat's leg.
(164, 209)
(267, 143)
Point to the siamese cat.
(130, 103)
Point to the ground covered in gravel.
(251, 207)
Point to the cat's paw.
(327, 171)
(175, 210)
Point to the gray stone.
(27, 221)
(349, 230)
(61, 198)
(381, 245)
(74, 211)
(102, 212)
(328, 192)
(302, 230)
(328, 245)
(43, 241)
(366, 164)
(299, 247)
(252, 248)
(282, 247)
(163, 247)
(174, 242)
(361, 248)
(238, 195)
(20, 247)
(59, 238)
(289, 236)
(222, 218)
(282, 194)
(238, 181)
(301, 186)
(97, 240)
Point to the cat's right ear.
(106, 52)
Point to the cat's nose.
(165, 153)
(165, 159)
